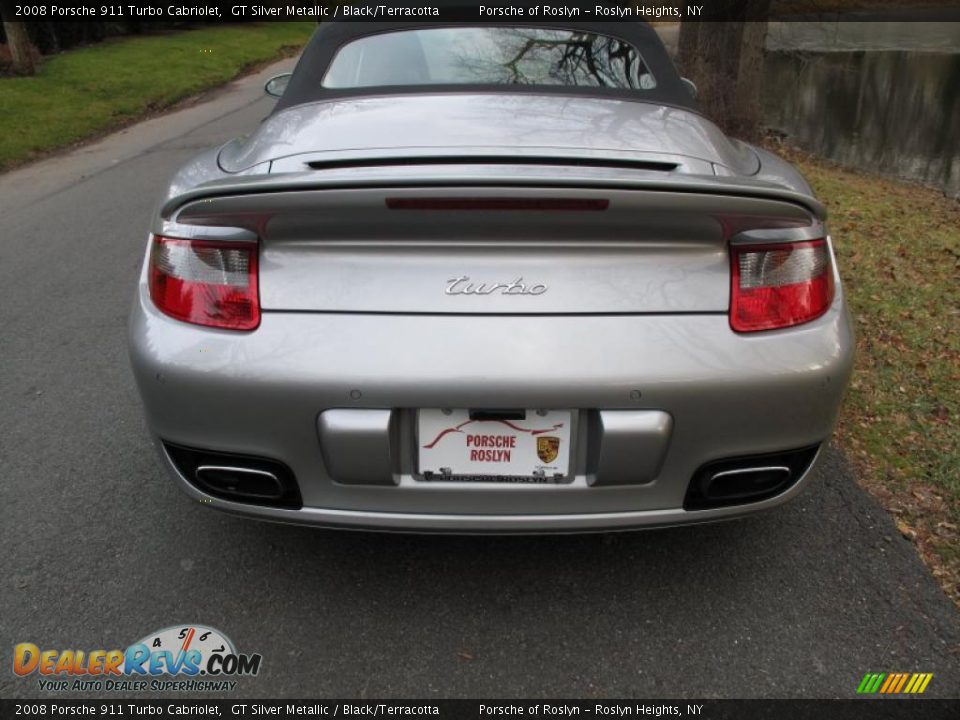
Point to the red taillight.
(205, 282)
(777, 286)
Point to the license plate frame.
(453, 447)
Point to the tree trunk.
(724, 56)
(687, 47)
(748, 106)
(20, 49)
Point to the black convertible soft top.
(306, 85)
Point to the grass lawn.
(898, 248)
(87, 91)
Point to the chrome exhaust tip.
(240, 482)
(237, 478)
(745, 483)
(749, 479)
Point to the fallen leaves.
(898, 250)
(908, 532)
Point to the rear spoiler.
(501, 176)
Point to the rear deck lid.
(580, 129)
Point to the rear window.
(489, 56)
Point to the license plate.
(451, 445)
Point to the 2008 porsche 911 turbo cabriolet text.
(489, 278)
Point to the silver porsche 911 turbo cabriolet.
(489, 278)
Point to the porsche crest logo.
(547, 448)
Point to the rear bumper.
(262, 393)
(476, 524)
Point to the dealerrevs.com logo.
(178, 658)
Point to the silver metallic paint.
(501, 523)
(260, 393)
(629, 445)
(360, 447)
(344, 251)
(318, 351)
(528, 123)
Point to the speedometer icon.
(179, 640)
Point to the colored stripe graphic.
(870, 683)
(894, 683)
(891, 680)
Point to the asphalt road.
(100, 548)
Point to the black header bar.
(493, 11)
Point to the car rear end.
(487, 347)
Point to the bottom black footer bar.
(928, 709)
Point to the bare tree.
(530, 56)
(724, 55)
(20, 48)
